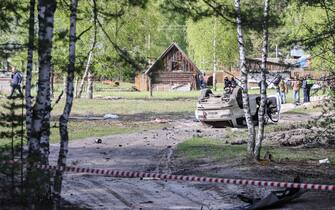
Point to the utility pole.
(214, 55)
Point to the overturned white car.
(227, 109)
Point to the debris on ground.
(300, 137)
(159, 120)
(275, 198)
(111, 116)
(116, 84)
(238, 142)
(234, 129)
(112, 97)
(98, 141)
(324, 161)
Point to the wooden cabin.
(173, 70)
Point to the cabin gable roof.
(151, 67)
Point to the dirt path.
(145, 151)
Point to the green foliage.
(13, 19)
(143, 29)
(310, 24)
(213, 149)
(200, 37)
(142, 33)
(11, 121)
(12, 139)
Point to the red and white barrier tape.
(134, 174)
(131, 174)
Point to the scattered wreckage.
(273, 199)
(227, 109)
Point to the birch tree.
(244, 80)
(30, 54)
(64, 118)
(88, 72)
(39, 180)
(261, 111)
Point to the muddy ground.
(153, 151)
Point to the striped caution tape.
(144, 175)
(131, 174)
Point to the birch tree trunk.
(30, 56)
(52, 75)
(261, 111)
(63, 120)
(64, 82)
(76, 82)
(89, 90)
(244, 80)
(89, 61)
(38, 153)
(81, 87)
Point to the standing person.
(226, 82)
(283, 90)
(276, 82)
(296, 84)
(16, 82)
(288, 83)
(304, 89)
(233, 83)
(202, 81)
(309, 85)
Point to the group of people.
(297, 84)
(229, 83)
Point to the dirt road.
(145, 151)
(149, 151)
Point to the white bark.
(39, 180)
(90, 57)
(81, 87)
(52, 82)
(261, 111)
(244, 80)
(89, 89)
(63, 120)
(30, 56)
(76, 86)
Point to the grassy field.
(95, 128)
(101, 107)
(124, 91)
(131, 103)
(218, 150)
(140, 102)
(98, 128)
(135, 102)
(305, 110)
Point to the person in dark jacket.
(304, 89)
(226, 82)
(16, 82)
(309, 85)
(233, 83)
